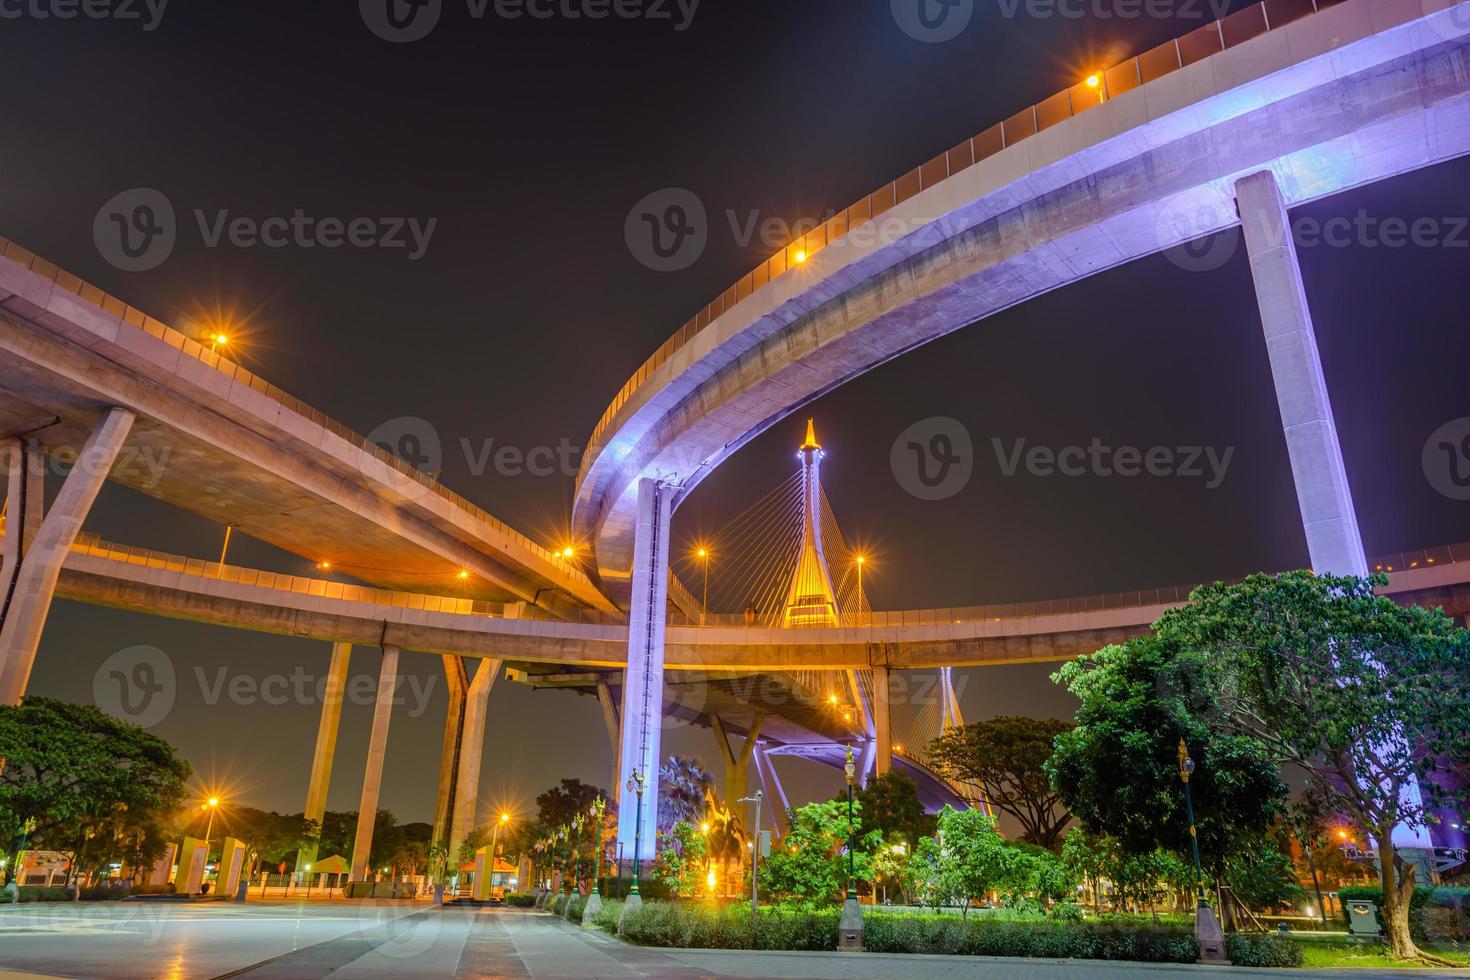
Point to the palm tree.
(683, 786)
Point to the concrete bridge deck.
(217, 440)
(157, 583)
(1092, 178)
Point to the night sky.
(528, 142)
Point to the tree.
(684, 861)
(269, 837)
(1363, 695)
(811, 863)
(1006, 758)
(1118, 770)
(560, 804)
(891, 866)
(685, 787)
(74, 775)
(890, 803)
(1264, 879)
(971, 858)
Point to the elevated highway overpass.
(1281, 103)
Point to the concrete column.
(471, 749)
(40, 566)
(643, 681)
(372, 779)
(11, 456)
(737, 764)
(882, 720)
(1333, 541)
(457, 681)
(614, 736)
(35, 493)
(326, 748)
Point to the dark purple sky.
(528, 142)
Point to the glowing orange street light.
(800, 256)
(463, 575)
(1093, 81)
(218, 340)
(702, 553)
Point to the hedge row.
(731, 927)
(518, 900)
(1435, 914)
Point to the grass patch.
(1327, 952)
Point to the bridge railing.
(189, 347)
(1212, 38)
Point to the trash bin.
(1363, 919)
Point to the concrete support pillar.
(457, 681)
(35, 582)
(35, 493)
(471, 749)
(326, 748)
(643, 681)
(12, 457)
(882, 720)
(1331, 526)
(614, 735)
(372, 779)
(737, 764)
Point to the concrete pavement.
(388, 941)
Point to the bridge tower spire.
(811, 600)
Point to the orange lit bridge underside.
(92, 574)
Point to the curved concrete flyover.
(215, 439)
(1357, 92)
(154, 583)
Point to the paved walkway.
(389, 941)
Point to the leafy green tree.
(78, 777)
(890, 803)
(1264, 878)
(1006, 758)
(892, 871)
(1089, 857)
(973, 859)
(269, 837)
(560, 804)
(684, 860)
(812, 861)
(1361, 694)
(1118, 770)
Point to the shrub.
(981, 936)
(651, 889)
(520, 900)
(607, 918)
(1067, 912)
(1262, 949)
(708, 926)
(1435, 914)
(573, 908)
(43, 893)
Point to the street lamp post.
(850, 926)
(755, 852)
(635, 900)
(1207, 932)
(576, 866)
(494, 844)
(594, 900)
